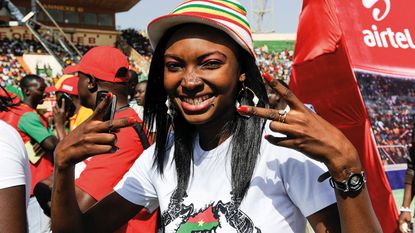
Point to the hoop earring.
(170, 108)
(243, 97)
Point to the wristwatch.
(353, 184)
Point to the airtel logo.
(376, 11)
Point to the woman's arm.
(312, 135)
(13, 209)
(353, 209)
(406, 213)
(90, 138)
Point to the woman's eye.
(173, 66)
(212, 64)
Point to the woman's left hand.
(307, 132)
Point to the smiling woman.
(203, 82)
(217, 164)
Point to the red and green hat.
(228, 16)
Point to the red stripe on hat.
(213, 16)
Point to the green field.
(398, 195)
(276, 46)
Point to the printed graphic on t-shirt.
(209, 219)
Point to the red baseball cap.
(67, 83)
(103, 62)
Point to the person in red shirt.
(39, 142)
(106, 69)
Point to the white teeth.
(196, 101)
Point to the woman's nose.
(191, 80)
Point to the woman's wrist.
(404, 209)
(342, 166)
(61, 163)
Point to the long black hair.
(247, 132)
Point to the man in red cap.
(106, 69)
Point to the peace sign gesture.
(306, 132)
(92, 137)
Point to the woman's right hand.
(92, 137)
(308, 133)
(404, 217)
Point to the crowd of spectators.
(138, 41)
(390, 104)
(18, 47)
(10, 69)
(276, 63)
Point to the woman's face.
(201, 73)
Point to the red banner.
(380, 35)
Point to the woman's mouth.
(196, 104)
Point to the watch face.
(354, 183)
(354, 180)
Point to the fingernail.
(242, 109)
(109, 94)
(132, 120)
(116, 139)
(267, 136)
(267, 77)
(114, 149)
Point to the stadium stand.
(390, 104)
(276, 63)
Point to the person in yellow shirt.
(80, 116)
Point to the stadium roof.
(115, 5)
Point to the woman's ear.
(242, 77)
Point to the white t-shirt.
(283, 189)
(14, 165)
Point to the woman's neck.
(212, 134)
